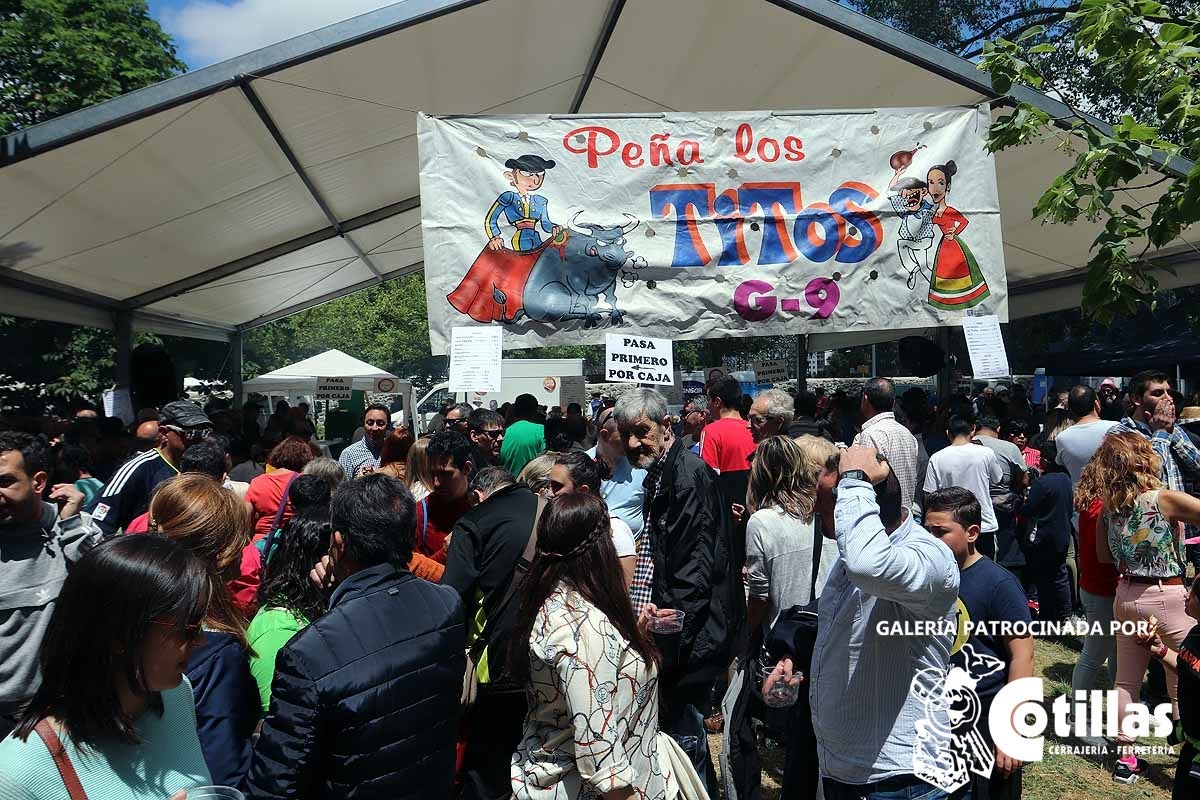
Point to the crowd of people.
(552, 604)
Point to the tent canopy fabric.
(302, 376)
(246, 191)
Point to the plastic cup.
(782, 694)
(668, 620)
(214, 793)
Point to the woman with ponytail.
(590, 673)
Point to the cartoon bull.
(566, 282)
(561, 279)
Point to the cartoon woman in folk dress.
(957, 283)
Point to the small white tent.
(301, 377)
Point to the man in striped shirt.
(128, 494)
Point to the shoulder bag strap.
(424, 519)
(481, 641)
(273, 534)
(59, 753)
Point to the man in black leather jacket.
(365, 701)
(696, 569)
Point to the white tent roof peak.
(302, 376)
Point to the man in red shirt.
(726, 443)
(451, 460)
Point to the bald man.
(147, 436)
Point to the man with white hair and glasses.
(686, 563)
(770, 414)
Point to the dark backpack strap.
(66, 769)
(283, 502)
(522, 567)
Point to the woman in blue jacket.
(212, 522)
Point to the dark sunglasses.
(496, 434)
(191, 434)
(191, 632)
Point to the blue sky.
(208, 31)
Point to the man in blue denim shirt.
(889, 571)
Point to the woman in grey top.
(782, 526)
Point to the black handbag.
(795, 632)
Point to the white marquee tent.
(301, 377)
(246, 191)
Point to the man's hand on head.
(865, 459)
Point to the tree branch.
(1037, 12)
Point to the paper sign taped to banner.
(638, 359)
(334, 388)
(771, 371)
(985, 345)
(475, 360)
(690, 225)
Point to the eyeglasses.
(191, 434)
(497, 433)
(459, 421)
(375, 423)
(190, 632)
(756, 420)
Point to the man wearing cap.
(180, 424)
(523, 209)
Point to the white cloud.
(208, 31)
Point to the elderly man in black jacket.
(365, 701)
(687, 561)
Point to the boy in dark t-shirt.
(992, 597)
(1046, 516)
(1187, 728)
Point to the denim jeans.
(903, 787)
(1096, 648)
(686, 727)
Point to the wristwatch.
(854, 474)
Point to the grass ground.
(1059, 776)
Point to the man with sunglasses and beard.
(180, 424)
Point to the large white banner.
(690, 225)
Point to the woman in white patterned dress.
(590, 674)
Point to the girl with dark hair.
(575, 471)
(209, 520)
(288, 601)
(590, 673)
(957, 281)
(113, 693)
(393, 458)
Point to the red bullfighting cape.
(493, 288)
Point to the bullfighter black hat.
(530, 163)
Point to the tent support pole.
(124, 365)
(944, 374)
(802, 363)
(235, 367)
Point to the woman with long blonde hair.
(418, 473)
(1140, 531)
(210, 521)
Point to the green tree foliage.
(57, 56)
(1144, 48)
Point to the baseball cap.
(183, 414)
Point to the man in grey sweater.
(39, 541)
